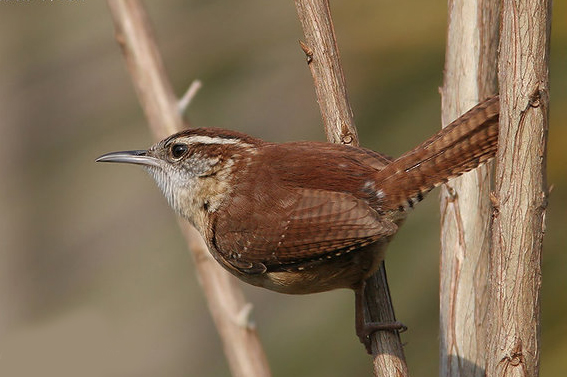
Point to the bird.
(307, 217)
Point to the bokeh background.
(95, 279)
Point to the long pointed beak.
(139, 157)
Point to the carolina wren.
(305, 217)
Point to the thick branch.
(323, 59)
(225, 299)
(520, 190)
(470, 76)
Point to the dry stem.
(323, 59)
(226, 302)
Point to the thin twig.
(187, 98)
(323, 59)
(225, 299)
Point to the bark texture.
(469, 77)
(520, 190)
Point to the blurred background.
(95, 279)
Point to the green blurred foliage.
(95, 279)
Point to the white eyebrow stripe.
(199, 139)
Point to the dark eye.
(178, 150)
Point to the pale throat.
(194, 197)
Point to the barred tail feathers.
(458, 148)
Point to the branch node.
(494, 200)
(347, 137)
(452, 193)
(243, 317)
(535, 97)
(307, 51)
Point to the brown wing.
(306, 201)
(306, 226)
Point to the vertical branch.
(323, 59)
(470, 76)
(153, 88)
(520, 190)
(225, 299)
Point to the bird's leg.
(365, 329)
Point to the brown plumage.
(306, 217)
